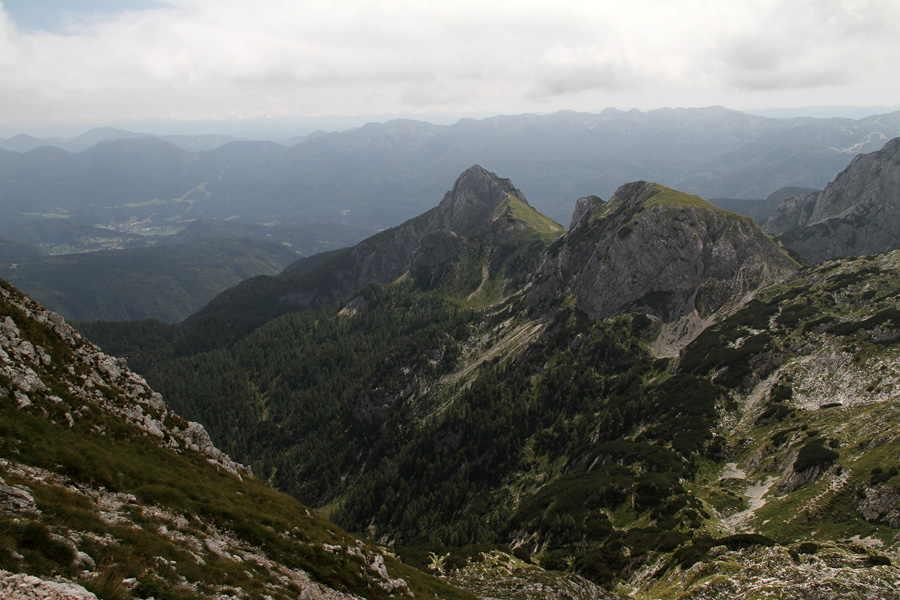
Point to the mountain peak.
(655, 250)
(471, 204)
(643, 194)
(482, 212)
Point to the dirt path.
(732, 472)
(755, 501)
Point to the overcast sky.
(89, 62)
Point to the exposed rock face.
(858, 213)
(433, 241)
(470, 207)
(583, 206)
(657, 251)
(19, 586)
(880, 504)
(435, 255)
(15, 499)
(794, 480)
(836, 571)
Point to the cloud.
(564, 70)
(803, 45)
(197, 59)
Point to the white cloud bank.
(230, 59)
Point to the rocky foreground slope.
(105, 492)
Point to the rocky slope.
(104, 492)
(657, 251)
(855, 214)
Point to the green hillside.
(659, 402)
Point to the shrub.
(36, 537)
(808, 548)
(880, 475)
(814, 454)
(556, 560)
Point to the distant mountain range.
(384, 173)
(193, 143)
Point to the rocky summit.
(476, 229)
(657, 251)
(857, 213)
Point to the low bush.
(814, 454)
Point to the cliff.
(654, 250)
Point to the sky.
(70, 64)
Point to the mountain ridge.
(480, 210)
(659, 400)
(383, 174)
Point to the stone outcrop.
(429, 244)
(435, 255)
(19, 586)
(856, 214)
(880, 504)
(470, 208)
(29, 367)
(16, 499)
(584, 206)
(657, 251)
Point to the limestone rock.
(16, 499)
(19, 586)
(584, 206)
(880, 504)
(435, 255)
(794, 480)
(22, 362)
(469, 208)
(657, 251)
